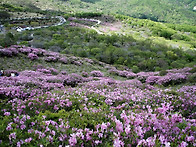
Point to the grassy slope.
(22, 62)
(138, 31)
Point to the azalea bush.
(97, 74)
(73, 80)
(32, 56)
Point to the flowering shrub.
(32, 56)
(53, 54)
(15, 46)
(172, 79)
(152, 79)
(63, 72)
(142, 76)
(53, 71)
(5, 52)
(89, 60)
(46, 71)
(97, 74)
(38, 51)
(13, 50)
(84, 74)
(124, 73)
(113, 71)
(73, 80)
(63, 60)
(50, 59)
(25, 50)
(76, 63)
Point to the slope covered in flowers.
(46, 105)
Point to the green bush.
(192, 78)
(193, 70)
(4, 15)
(163, 73)
(135, 69)
(90, 1)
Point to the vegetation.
(138, 54)
(114, 49)
(100, 79)
(47, 106)
(4, 15)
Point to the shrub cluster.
(73, 80)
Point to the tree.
(8, 40)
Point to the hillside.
(56, 99)
(171, 11)
(142, 45)
(85, 73)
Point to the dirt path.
(61, 21)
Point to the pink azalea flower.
(190, 138)
(7, 113)
(28, 140)
(118, 143)
(183, 144)
(22, 127)
(127, 129)
(12, 136)
(72, 140)
(119, 126)
(103, 127)
(167, 144)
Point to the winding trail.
(93, 27)
(90, 20)
(61, 21)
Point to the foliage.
(4, 15)
(8, 39)
(87, 14)
(172, 11)
(144, 56)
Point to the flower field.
(48, 106)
